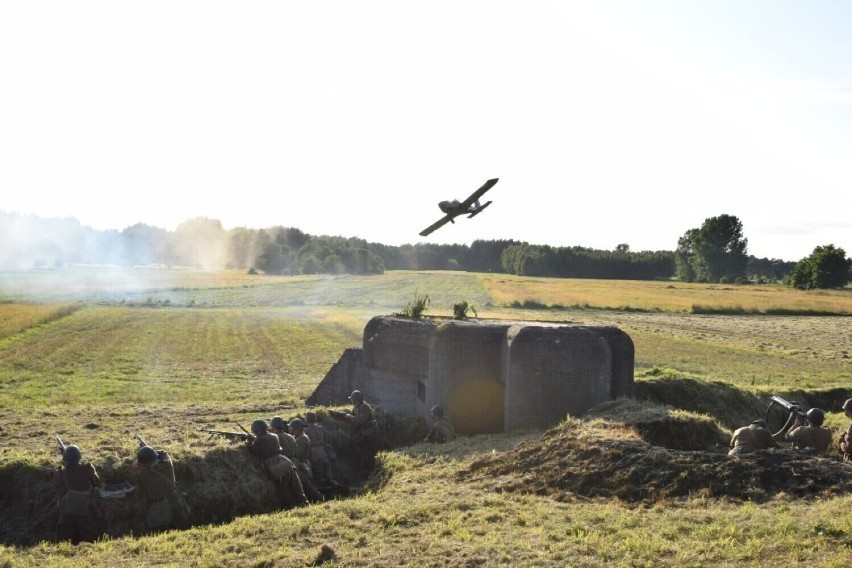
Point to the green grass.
(104, 355)
(163, 352)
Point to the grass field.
(96, 354)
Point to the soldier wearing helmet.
(442, 429)
(278, 467)
(156, 474)
(748, 439)
(288, 443)
(365, 430)
(302, 460)
(77, 485)
(846, 437)
(811, 434)
(320, 452)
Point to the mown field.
(95, 355)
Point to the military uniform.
(320, 458)
(303, 467)
(441, 431)
(810, 437)
(847, 455)
(157, 481)
(280, 469)
(288, 444)
(751, 438)
(77, 515)
(365, 433)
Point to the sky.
(607, 122)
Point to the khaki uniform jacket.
(316, 433)
(362, 417)
(265, 446)
(303, 448)
(288, 444)
(158, 479)
(810, 437)
(848, 453)
(81, 477)
(751, 438)
(442, 431)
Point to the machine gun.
(794, 410)
(243, 436)
(61, 445)
(142, 443)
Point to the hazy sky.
(606, 122)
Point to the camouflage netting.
(605, 459)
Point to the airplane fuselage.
(452, 207)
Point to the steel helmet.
(259, 426)
(356, 396)
(311, 417)
(146, 454)
(278, 422)
(297, 424)
(71, 454)
(815, 416)
(437, 410)
(848, 404)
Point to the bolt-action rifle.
(142, 443)
(338, 414)
(243, 436)
(61, 445)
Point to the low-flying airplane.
(470, 207)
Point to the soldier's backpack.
(76, 502)
(278, 467)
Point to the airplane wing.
(436, 225)
(477, 194)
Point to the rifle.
(61, 445)
(230, 436)
(338, 414)
(790, 406)
(142, 443)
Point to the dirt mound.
(602, 459)
(662, 425)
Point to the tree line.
(714, 252)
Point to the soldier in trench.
(811, 434)
(442, 429)
(748, 439)
(77, 485)
(846, 437)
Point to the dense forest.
(28, 241)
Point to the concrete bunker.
(490, 375)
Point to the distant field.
(663, 296)
(396, 288)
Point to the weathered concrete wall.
(490, 375)
(465, 376)
(552, 372)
